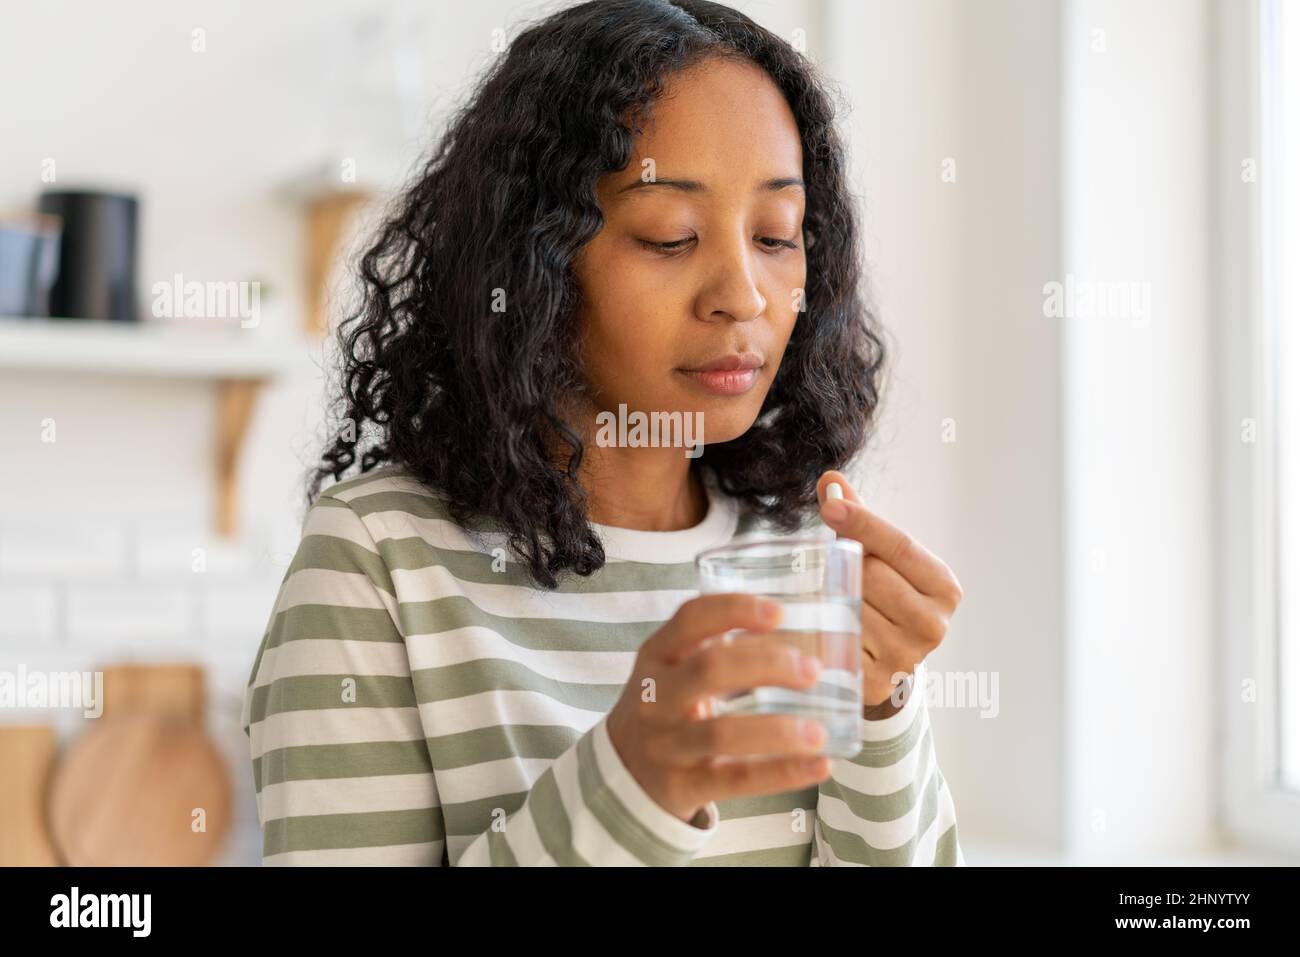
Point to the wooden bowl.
(140, 789)
(27, 754)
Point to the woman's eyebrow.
(695, 186)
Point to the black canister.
(96, 255)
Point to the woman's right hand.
(662, 725)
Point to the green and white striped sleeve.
(889, 805)
(586, 809)
(341, 748)
(340, 764)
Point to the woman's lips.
(730, 382)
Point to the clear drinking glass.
(819, 583)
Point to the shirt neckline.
(665, 548)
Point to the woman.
(642, 208)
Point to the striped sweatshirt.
(418, 700)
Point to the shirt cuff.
(886, 729)
(670, 839)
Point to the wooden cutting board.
(26, 756)
(140, 789)
(171, 689)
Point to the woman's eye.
(677, 245)
(668, 247)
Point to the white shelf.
(231, 360)
(184, 349)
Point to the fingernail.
(811, 731)
(810, 667)
(834, 491)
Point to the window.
(1281, 275)
(1259, 364)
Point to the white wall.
(1138, 413)
(1076, 503)
(958, 268)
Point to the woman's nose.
(730, 290)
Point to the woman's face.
(701, 256)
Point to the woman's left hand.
(908, 595)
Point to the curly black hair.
(470, 401)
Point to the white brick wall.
(136, 592)
(28, 613)
(127, 617)
(162, 552)
(33, 550)
(76, 597)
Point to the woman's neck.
(651, 489)
(639, 490)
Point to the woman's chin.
(724, 426)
